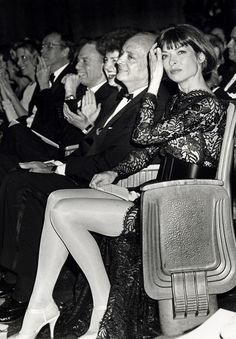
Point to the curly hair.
(114, 40)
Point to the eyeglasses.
(50, 45)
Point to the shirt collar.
(95, 88)
(137, 91)
(59, 70)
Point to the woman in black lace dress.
(189, 139)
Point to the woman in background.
(110, 45)
(26, 53)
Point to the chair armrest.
(146, 174)
(181, 182)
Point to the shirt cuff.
(61, 169)
(87, 129)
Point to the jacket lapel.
(127, 107)
(98, 139)
(69, 69)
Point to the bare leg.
(69, 216)
(73, 219)
(82, 216)
(53, 250)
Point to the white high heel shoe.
(96, 318)
(36, 320)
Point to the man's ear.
(66, 52)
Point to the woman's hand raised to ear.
(156, 69)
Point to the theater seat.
(189, 248)
(137, 179)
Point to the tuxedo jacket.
(49, 103)
(72, 135)
(227, 71)
(19, 140)
(102, 151)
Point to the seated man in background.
(20, 143)
(23, 194)
(95, 59)
(90, 76)
(47, 119)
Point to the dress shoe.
(36, 319)
(11, 309)
(5, 288)
(96, 318)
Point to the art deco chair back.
(189, 249)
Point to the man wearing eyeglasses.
(45, 117)
(57, 54)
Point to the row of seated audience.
(113, 97)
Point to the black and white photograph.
(117, 169)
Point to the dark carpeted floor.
(63, 292)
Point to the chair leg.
(172, 327)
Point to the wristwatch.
(70, 97)
(87, 129)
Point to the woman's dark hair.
(188, 35)
(114, 40)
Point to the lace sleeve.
(197, 114)
(135, 161)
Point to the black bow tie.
(128, 96)
(123, 94)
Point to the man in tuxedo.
(90, 76)
(20, 143)
(23, 194)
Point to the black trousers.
(21, 142)
(23, 198)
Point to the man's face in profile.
(232, 45)
(89, 65)
(132, 64)
(53, 50)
